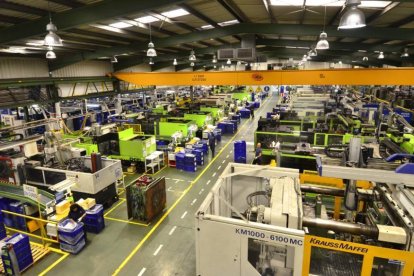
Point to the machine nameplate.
(270, 237)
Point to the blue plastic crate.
(190, 168)
(73, 248)
(69, 231)
(94, 228)
(20, 242)
(240, 160)
(95, 211)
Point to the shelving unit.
(154, 160)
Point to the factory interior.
(207, 137)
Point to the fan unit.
(225, 54)
(246, 53)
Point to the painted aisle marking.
(172, 230)
(202, 190)
(194, 201)
(214, 174)
(219, 168)
(227, 156)
(158, 250)
(184, 214)
(208, 182)
(142, 271)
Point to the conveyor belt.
(16, 192)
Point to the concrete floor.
(167, 245)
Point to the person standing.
(212, 143)
(258, 155)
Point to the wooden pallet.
(38, 252)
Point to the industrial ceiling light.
(365, 59)
(239, 62)
(308, 57)
(305, 58)
(192, 56)
(50, 54)
(192, 64)
(114, 59)
(151, 51)
(381, 55)
(151, 62)
(353, 18)
(313, 52)
(175, 62)
(222, 66)
(340, 62)
(51, 39)
(214, 66)
(214, 59)
(323, 43)
(405, 54)
(228, 62)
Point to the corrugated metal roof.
(42, 4)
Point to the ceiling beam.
(234, 10)
(279, 29)
(22, 8)
(269, 10)
(203, 17)
(81, 16)
(198, 14)
(126, 62)
(380, 13)
(346, 46)
(11, 19)
(68, 3)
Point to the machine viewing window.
(331, 262)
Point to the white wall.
(16, 67)
(137, 68)
(89, 68)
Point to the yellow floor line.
(127, 221)
(58, 261)
(116, 206)
(135, 250)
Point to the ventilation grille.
(225, 54)
(246, 53)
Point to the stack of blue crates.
(256, 104)
(94, 219)
(3, 233)
(227, 127)
(179, 161)
(236, 117)
(71, 236)
(245, 113)
(217, 134)
(5, 205)
(23, 252)
(240, 154)
(204, 144)
(18, 222)
(190, 163)
(199, 156)
(222, 127)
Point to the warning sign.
(250, 89)
(259, 89)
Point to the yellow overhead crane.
(379, 76)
